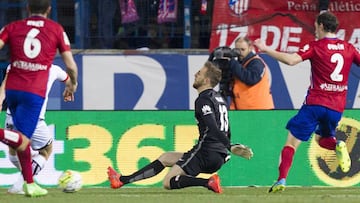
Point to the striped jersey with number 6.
(34, 43)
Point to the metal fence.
(98, 24)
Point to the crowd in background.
(125, 24)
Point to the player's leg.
(325, 132)
(15, 140)
(165, 160)
(326, 138)
(25, 109)
(326, 142)
(17, 187)
(343, 156)
(300, 127)
(286, 159)
(183, 173)
(39, 158)
(177, 179)
(41, 141)
(21, 144)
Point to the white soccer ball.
(70, 181)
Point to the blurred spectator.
(107, 10)
(3, 13)
(3, 53)
(10, 10)
(323, 5)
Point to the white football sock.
(38, 163)
(15, 160)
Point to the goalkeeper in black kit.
(207, 156)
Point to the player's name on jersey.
(336, 46)
(36, 23)
(28, 66)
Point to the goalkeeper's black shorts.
(197, 161)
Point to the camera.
(221, 57)
(224, 52)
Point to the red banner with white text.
(285, 25)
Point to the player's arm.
(357, 56)
(4, 36)
(60, 74)
(287, 58)
(2, 87)
(2, 91)
(1, 44)
(67, 56)
(72, 71)
(71, 67)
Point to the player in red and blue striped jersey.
(33, 44)
(42, 140)
(331, 59)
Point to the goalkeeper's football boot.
(114, 178)
(34, 190)
(342, 155)
(279, 186)
(214, 184)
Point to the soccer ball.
(70, 181)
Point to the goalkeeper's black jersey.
(213, 121)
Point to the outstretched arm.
(1, 44)
(2, 91)
(287, 58)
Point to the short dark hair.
(213, 72)
(329, 21)
(38, 6)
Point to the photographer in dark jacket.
(251, 78)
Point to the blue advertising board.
(164, 82)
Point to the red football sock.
(287, 155)
(25, 161)
(328, 143)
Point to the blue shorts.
(25, 109)
(321, 120)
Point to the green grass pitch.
(196, 195)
